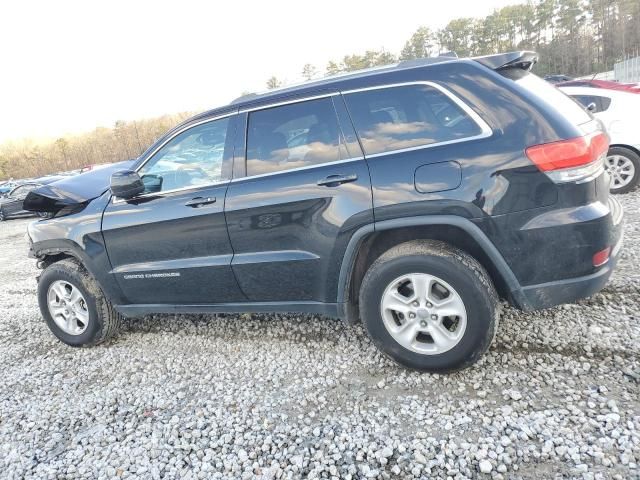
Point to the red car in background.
(611, 85)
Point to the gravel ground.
(288, 396)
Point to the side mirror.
(592, 107)
(126, 184)
(152, 183)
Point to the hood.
(72, 192)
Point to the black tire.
(103, 322)
(458, 269)
(3, 216)
(635, 160)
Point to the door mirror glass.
(152, 183)
(126, 184)
(592, 107)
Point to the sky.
(70, 66)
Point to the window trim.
(162, 144)
(485, 130)
(281, 104)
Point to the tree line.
(29, 158)
(573, 37)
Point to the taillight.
(571, 160)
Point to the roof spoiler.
(502, 61)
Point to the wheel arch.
(48, 252)
(635, 150)
(369, 242)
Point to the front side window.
(293, 136)
(407, 116)
(191, 159)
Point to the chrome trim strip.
(166, 192)
(183, 129)
(485, 132)
(288, 102)
(484, 127)
(431, 145)
(253, 258)
(176, 264)
(297, 169)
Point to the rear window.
(555, 98)
(407, 116)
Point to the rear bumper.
(544, 295)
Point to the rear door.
(302, 188)
(170, 245)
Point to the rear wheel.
(429, 306)
(623, 166)
(73, 306)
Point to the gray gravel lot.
(289, 396)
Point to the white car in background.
(618, 111)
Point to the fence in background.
(628, 70)
(610, 75)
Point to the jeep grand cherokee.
(413, 197)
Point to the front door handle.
(200, 202)
(335, 180)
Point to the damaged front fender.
(74, 193)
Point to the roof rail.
(417, 62)
(242, 98)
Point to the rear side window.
(293, 136)
(601, 103)
(407, 116)
(549, 94)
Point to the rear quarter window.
(551, 95)
(602, 103)
(402, 117)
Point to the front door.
(170, 245)
(302, 190)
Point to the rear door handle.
(200, 202)
(335, 180)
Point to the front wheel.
(73, 305)
(3, 216)
(429, 306)
(623, 166)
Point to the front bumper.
(545, 295)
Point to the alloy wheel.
(621, 169)
(423, 313)
(67, 307)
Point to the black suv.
(413, 197)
